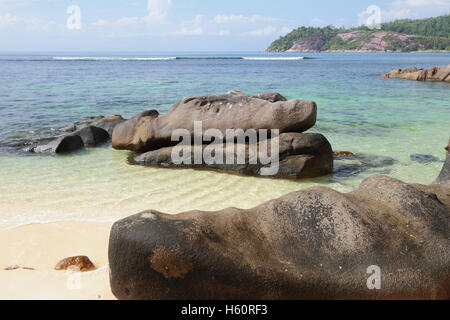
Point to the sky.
(183, 25)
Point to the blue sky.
(182, 25)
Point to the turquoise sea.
(358, 112)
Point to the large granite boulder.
(385, 240)
(432, 74)
(234, 110)
(301, 155)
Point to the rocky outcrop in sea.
(300, 155)
(432, 74)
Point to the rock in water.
(78, 263)
(107, 123)
(434, 74)
(311, 244)
(87, 133)
(92, 136)
(301, 155)
(60, 145)
(424, 158)
(234, 110)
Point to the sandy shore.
(41, 246)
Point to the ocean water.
(357, 111)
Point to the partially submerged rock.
(78, 263)
(107, 123)
(432, 74)
(301, 155)
(424, 158)
(90, 132)
(63, 144)
(311, 244)
(92, 136)
(349, 164)
(234, 110)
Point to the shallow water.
(358, 112)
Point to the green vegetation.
(429, 34)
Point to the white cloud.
(15, 3)
(285, 30)
(414, 9)
(262, 32)
(222, 33)
(221, 19)
(158, 9)
(422, 3)
(191, 27)
(122, 22)
(8, 21)
(390, 15)
(189, 32)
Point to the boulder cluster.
(301, 155)
(90, 132)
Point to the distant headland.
(430, 34)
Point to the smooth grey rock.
(60, 145)
(311, 244)
(92, 136)
(233, 110)
(107, 123)
(302, 155)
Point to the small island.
(431, 34)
